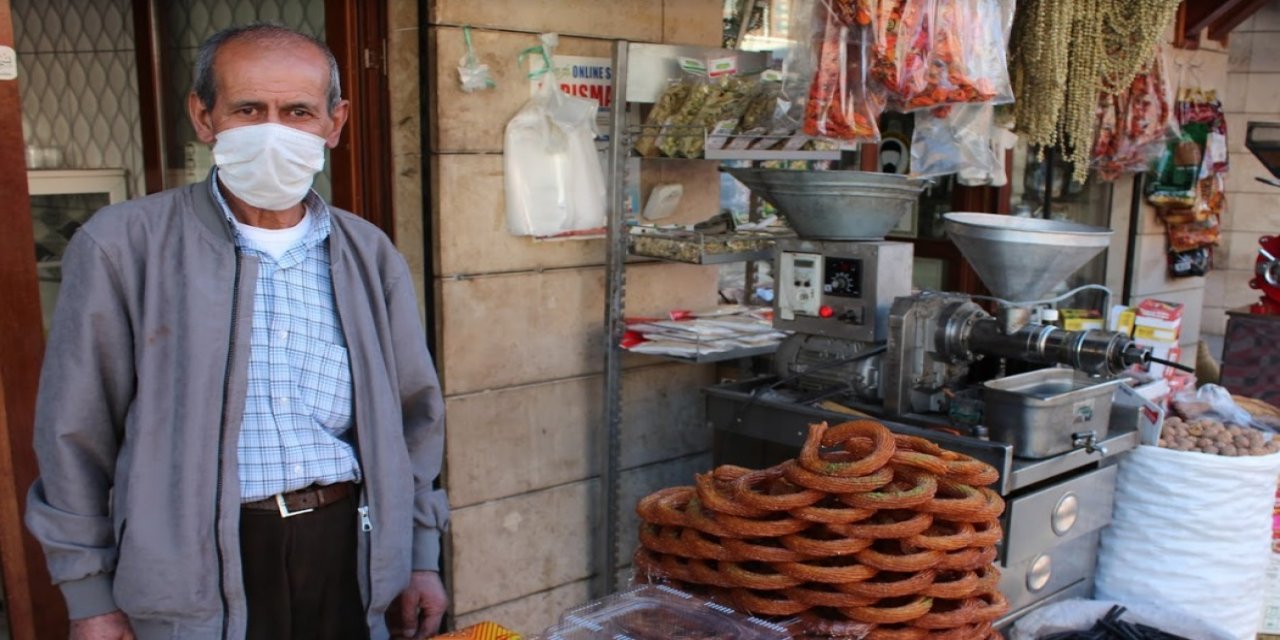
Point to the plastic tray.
(656, 612)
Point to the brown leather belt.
(303, 500)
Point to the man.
(239, 425)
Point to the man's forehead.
(301, 61)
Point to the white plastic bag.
(473, 74)
(553, 177)
(1191, 531)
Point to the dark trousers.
(300, 574)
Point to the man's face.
(284, 83)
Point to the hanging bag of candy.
(839, 105)
(1135, 125)
(931, 53)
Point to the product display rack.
(641, 72)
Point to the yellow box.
(481, 631)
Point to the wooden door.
(31, 600)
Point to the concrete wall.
(520, 344)
(1253, 208)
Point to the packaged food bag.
(840, 106)
(553, 177)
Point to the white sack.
(1191, 531)
(552, 174)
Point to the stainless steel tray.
(1047, 412)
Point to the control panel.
(839, 289)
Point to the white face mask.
(269, 166)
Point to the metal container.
(835, 205)
(1047, 412)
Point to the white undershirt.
(275, 242)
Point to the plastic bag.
(929, 53)
(959, 142)
(1134, 126)
(1213, 401)
(1191, 532)
(552, 173)
(473, 74)
(668, 104)
(839, 105)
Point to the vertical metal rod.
(1046, 211)
(607, 442)
(1135, 220)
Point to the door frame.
(30, 597)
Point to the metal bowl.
(835, 205)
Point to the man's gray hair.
(205, 85)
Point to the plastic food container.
(655, 612)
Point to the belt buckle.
(284, 508)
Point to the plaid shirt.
(298, 409)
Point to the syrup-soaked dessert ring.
(769, 491)
(891, 524)
(944, 536)
(837, 570)
(910, 489)
(758, 576)
(717, 495)
(799, 475)
(888, 584)
(889, 555)
(811, 457)
(822, 542)
(891, 610)
(769, 603)
(763, 550)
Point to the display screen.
(843, 277)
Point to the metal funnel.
(1022, 259)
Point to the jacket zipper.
(222, 433)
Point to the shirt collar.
(313, 204)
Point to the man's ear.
(339, 116)
(201, 119)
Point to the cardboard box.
(1158, 315)
(1122, 319)
(1080, 319)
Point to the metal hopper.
(835, 205)
(1022, 259)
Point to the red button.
(825, 312)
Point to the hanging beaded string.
(1066, 53)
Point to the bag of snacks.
(1133, 126)
(930, 53)
(669, 103)
(839, 104)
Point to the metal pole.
(607, 442)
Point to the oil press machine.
(938, 365)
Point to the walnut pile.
(1207, 435)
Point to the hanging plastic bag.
(473, 74)
(1134, 126)
(553, 177)
(931, 53)
(839, 106)
(961, 142)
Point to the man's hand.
(420, 607)
(108, 626)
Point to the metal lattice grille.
(79, 83)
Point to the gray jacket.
(140, 404)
